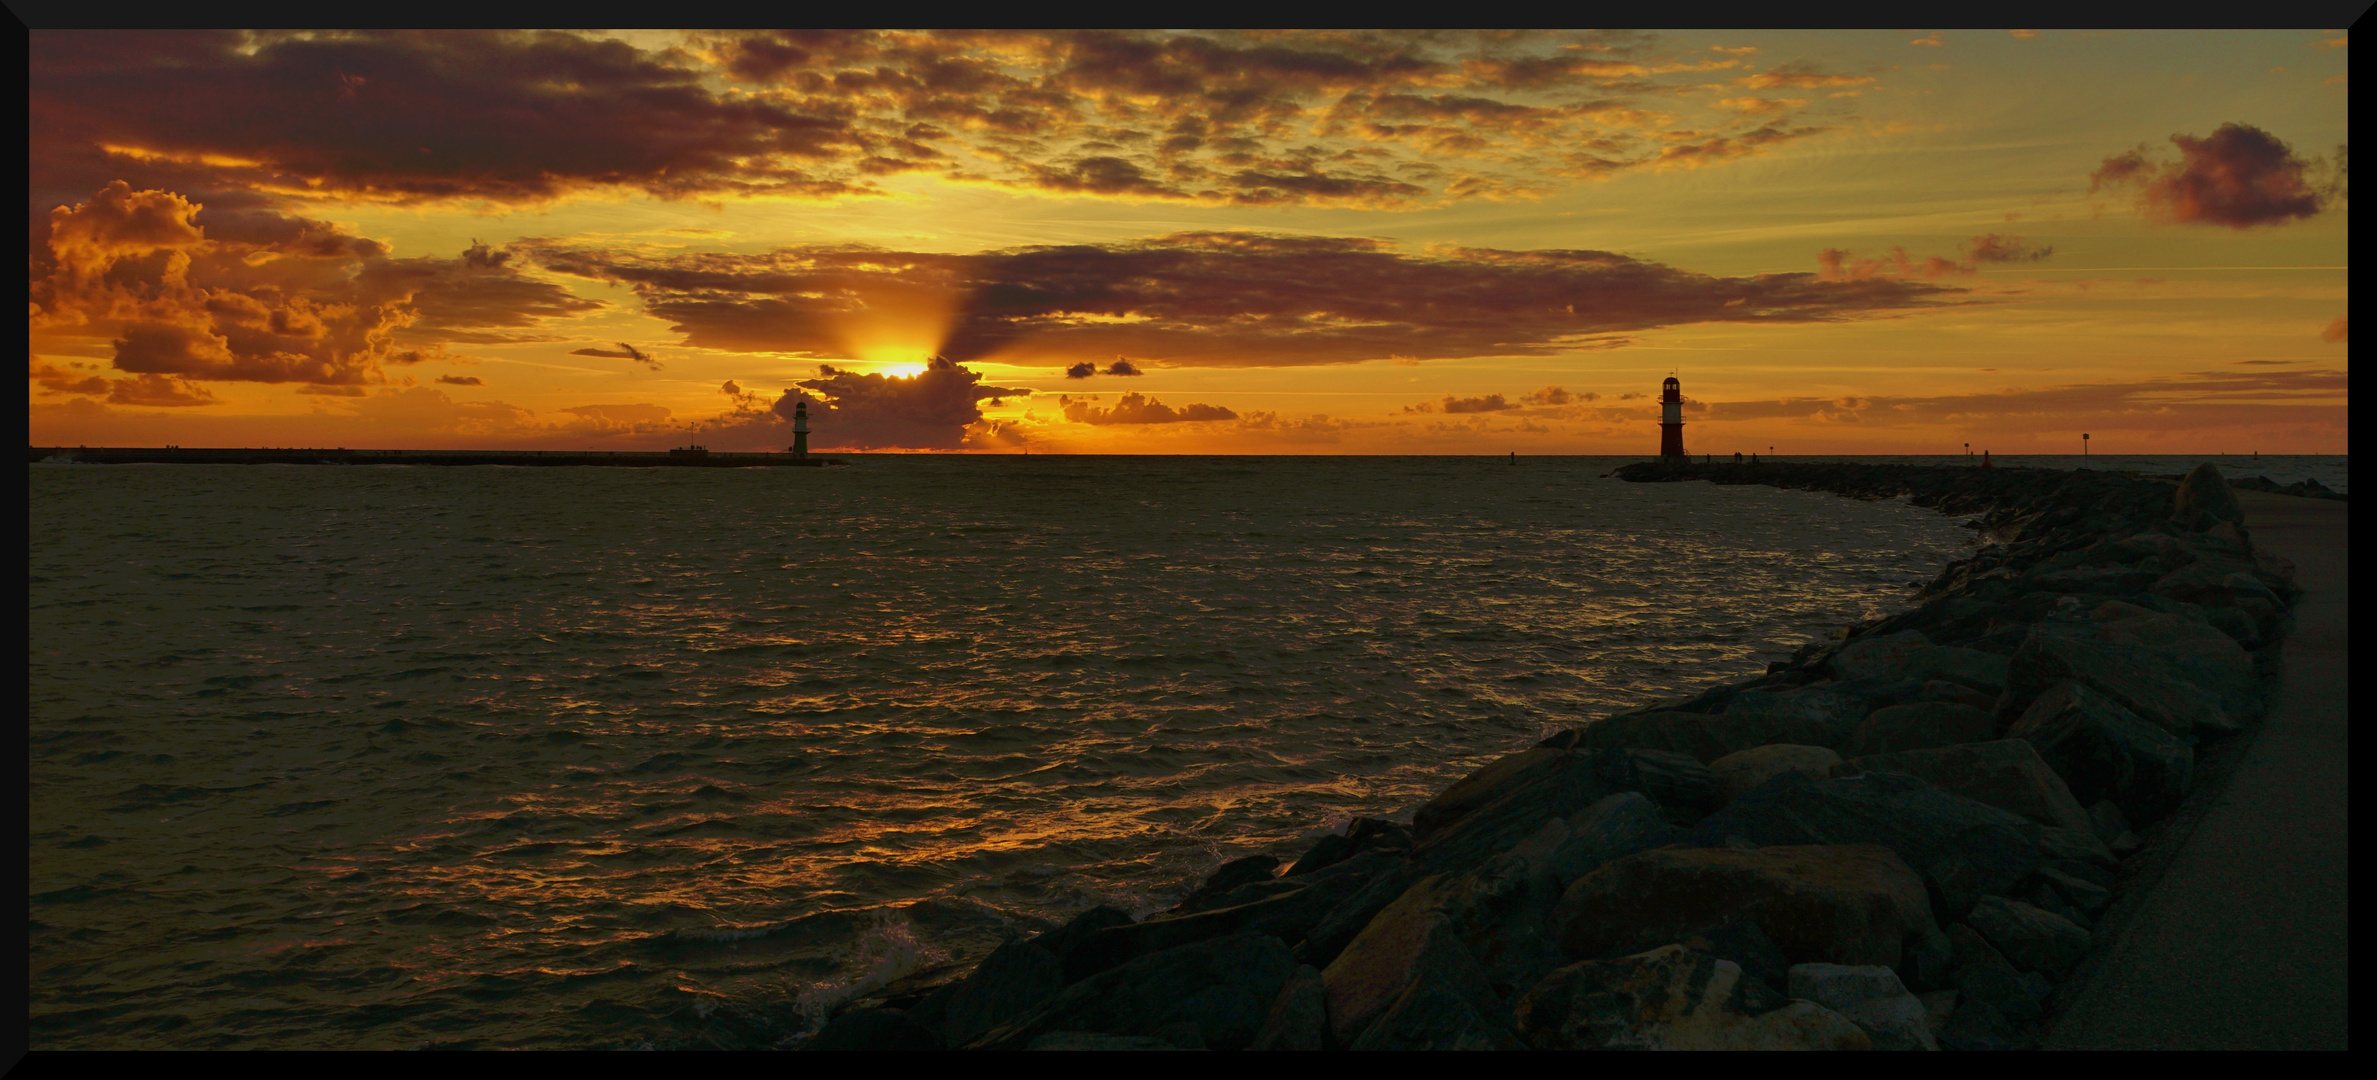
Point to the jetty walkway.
(2241, 945)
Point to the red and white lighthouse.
(1671, 419)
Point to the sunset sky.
(1090, 242)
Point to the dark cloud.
(1136, 408)
(461, 380)
(1836, 264)
(936, 409)
(2239, 176)
(1085, 369)
(625, 351)
(1259, 118)
(1216, 299)
(505, 116)
(1993, 248)
(1451, 404)
(273, 299)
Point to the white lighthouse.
(800, 428)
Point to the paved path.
(2241, 944)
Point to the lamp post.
(2083, 444)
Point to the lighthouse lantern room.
(1671, 419)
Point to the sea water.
(511, 757)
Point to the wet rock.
(1490, 782)
(1952, 693)
(1869, 996)
(1090, 1040)
(1741, 941)
(2106, 820)
(1328, 851)
(1559, 787)
(1680, 732)
(1918, 726)
(2029, 938)
(2095, 579)
(2204, 491)
(1681, 786)
(1674, 999)
(1338, 927)
(1224, 986)
(2141, 681)
(1233, 874)
(1937, 1004)
(2103, 751)
(1008, 983)
(2198, 652)
(1962, 848)
(2224, 584)
(2044, 897)
(1299, 1018)
(1378, 834)
(2076, 846)
(1880, 691)
(1061, 941)
(1810, 716)
(1876, 654)
(1613, 828)
(1742, 771)
(1287, 917)
(1411, 941)
(1979, 669)
(873, 1029)
(1984, 976)
(1930, 961)
(1434, 1015)
(1851, 904)
(1975, 1025)
(2006, 773)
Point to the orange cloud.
(271, 300)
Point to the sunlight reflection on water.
(512, 757)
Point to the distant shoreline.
(691, 457)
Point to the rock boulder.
(2006, 773)
(1743, 771)
(1674, 999)
(2028, 937)
(1224, 986)
(1918, 726)
(1962, 848)
(2105, 752)
(1871, 997)
(1853, 904)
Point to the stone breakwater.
(1905, 838)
